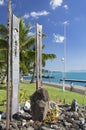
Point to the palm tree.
(27, 47)
(3, 47)
(27, 50)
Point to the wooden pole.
(8, 67)
(39, 56)
(15, 65)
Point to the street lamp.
(63, 74)
(64, 59)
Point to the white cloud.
(26, 16)
(32, 27)
(66, 22)
(36, 14)
(30, 33)
(66, 7)
(55, 3)
(1, 2)
(58, 38)
(40, 13)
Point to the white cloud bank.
(36, 14)
(58, 38)
(40, 13)
(1, 2)
(55, 3)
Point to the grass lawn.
(55, 94)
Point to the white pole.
(63, 74)
(65, 47)
(64, 62)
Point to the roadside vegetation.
(55, 94)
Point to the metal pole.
(65, 47)
(8, 67)
(63, 74)
(64, 63)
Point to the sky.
(64, 23)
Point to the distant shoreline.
(78, 78)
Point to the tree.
(3, 47)
(27, 47)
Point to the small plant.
(52, 115)
(23, 96)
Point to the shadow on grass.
(2, 86)
(1, 104)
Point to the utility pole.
(8, 67)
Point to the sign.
(15, 65)
(39, 55)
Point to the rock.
(27, 106)
(39, 104)
(17, 116)
(3, 116)
(74, 105)
(30, 128)
(14, 125)
(46, 128)
(82, 120)
(67, 124)
(52, 105)
(67, 120)
(21, 110)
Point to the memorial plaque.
(39, 55)
(15, 65)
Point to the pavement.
(77, 89)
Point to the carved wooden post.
(15, 65)
(39, 55)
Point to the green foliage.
(55, 94)
(23, 96)
(52, 115)
(2, 98)
(27, 47)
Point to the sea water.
(55, 77)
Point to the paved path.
(78, 89)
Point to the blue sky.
(52, 15)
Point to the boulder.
(39, 104)
(74, 105)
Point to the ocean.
(55, 77)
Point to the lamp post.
(64, 59)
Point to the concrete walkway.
(78, 89)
